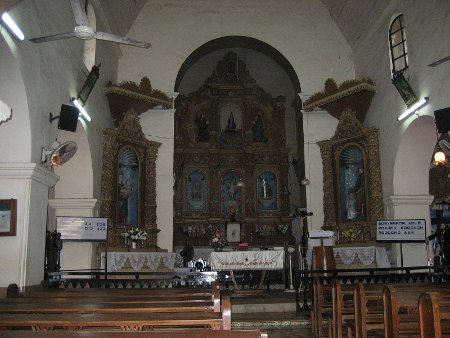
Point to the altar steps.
(273, 312)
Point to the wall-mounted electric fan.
(84, 31)
(60, 153)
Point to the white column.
(409, 207)
(76, 254)
(24, 254)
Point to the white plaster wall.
(158, 126)
(318, 125)
(302, 31)
(427, 26)
(406, 146)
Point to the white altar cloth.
(138, 260)
(247, 260)
(366, 255)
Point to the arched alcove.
(412, 163)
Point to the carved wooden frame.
(129, 134)
(351, 132)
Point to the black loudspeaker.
(68, 118)
(442, 118)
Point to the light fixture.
(240, 183)
(12, 26)
(81, 109)
(89, 84)
(439, 157)
(415, 107)
(305, 181)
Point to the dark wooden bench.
(194, 333)
(129, 308)
(401, 307)
(434, 314)
(343, 307)
(322, 307)
(115, 321)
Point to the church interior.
(145, 135)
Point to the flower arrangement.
(217, 241)
(349, 235)
(283, 228)
(262, 229)
(135, 234)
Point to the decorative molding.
(397, 200)
(128, 95)
(355, 95)
(24, 170)
(90, 204)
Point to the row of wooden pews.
(119, 312)
(390, 311)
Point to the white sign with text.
(401, 230)
(82, 228)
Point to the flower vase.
(217, 248)
(133, 245)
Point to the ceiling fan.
(60, 153)
(84, 31)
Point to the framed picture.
(404, 89)
(8, 217)
(233, 232)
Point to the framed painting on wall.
(8, 217)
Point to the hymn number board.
(82, 228)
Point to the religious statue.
(351, 206)
(266, 189)
(231, 125)
(202, 129)
(125, 189)
(258, 130)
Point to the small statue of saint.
(202, 129)
(258, 130)
(231, 125)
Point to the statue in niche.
(202, 129)
(266, 189)
(258, 130)
(231, 125)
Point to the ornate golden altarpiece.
(129, 139)
(352, 189)
(227, 133)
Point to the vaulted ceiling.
(355, 17)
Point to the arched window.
(397, 45)
(89, 45)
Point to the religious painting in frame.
(196, 191)
(404, 89)
(230, 193)
(8, 217)
(233, 232)
(267, 191)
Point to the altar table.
(138, 260)
(247, 260)
(366, 255)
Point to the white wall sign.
(401, 230)
(82, 228)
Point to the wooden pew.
(124, 296)
(368, 310)
(401, 307)
(343, 308)
(434, 314)
(322, 259)
(126, 309)
(124, 321)
(194, 333)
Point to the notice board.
(401, 230)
